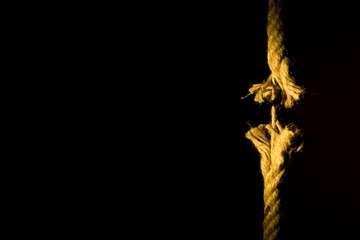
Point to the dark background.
(202, 58)
(156, 88)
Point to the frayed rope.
(273, 141)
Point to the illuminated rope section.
(273, 141)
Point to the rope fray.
(273, 143)
(264, 92)
(280, 81)
(270, 90)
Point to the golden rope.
(273, 141)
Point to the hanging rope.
(273, 141)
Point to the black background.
(201, 59)
(151, 97)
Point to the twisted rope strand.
(273, 141)
(280, 83)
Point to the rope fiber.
(273, 141)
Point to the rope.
(280, 80)
(273, 141)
